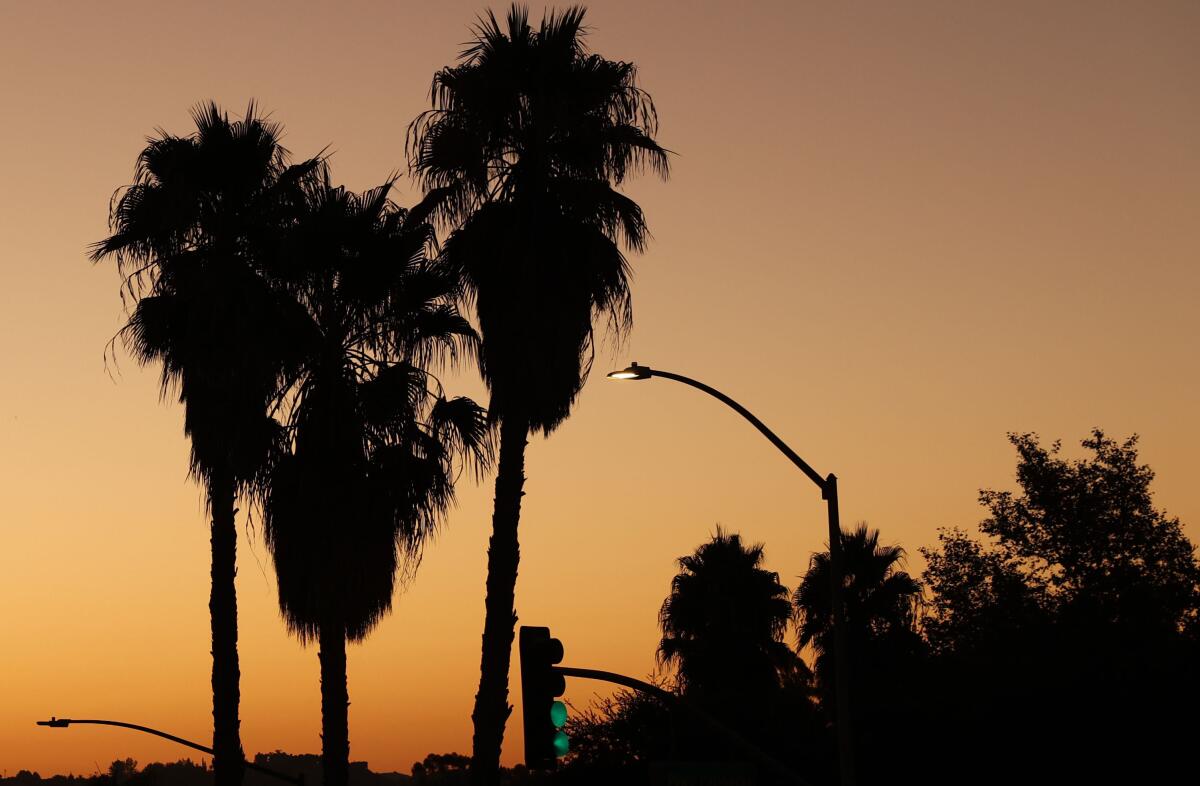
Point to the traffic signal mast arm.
(745, 746)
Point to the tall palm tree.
(528, 136)
(187, 236)
(371, 468)
(882, 605)
(725, 620)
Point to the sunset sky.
(895, 231)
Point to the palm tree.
(724, 624)
(187, 237)
(882, 607)
(371, 468)
(528, 135)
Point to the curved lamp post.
(62, 723)
(828, 486)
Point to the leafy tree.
(619, 730)
(190, 237)
(371, 468)
(978, 597)
(1081, 543)
(1086, 533)
(1066, 632)
(122, 770)
(445, 769)
(617, 737)
(528, 136)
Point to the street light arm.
(758, 424)
(65, 722)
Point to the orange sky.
(894, 230)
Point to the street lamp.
(828, 486)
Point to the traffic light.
(544, 716)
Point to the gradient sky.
(895, 231)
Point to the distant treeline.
(185, 772)
(442, 769)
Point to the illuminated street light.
(633, 372)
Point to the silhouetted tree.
(376, 444)
(184, 772)
(1066, 634)
(882, 607)
(616, 738)
(189, 236)
(1082, 543)
(978, 596)
(442, 769)
(1086, 533)
(724, 627)
(725, 620)
(122, 770)
(882, 601)
(526, 139)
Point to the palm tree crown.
(375, 442)
(882, 601)
(527, 138)
(190, 236)
(724, 622)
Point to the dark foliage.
(124, 772)
(375, 443)
(724, 624)
(882, 604)
(527, 137)
(1063, 647)
(616, 738)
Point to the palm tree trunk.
(222, 608)
(491, 702)
(335, 699)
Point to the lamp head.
(634, 371)
(58, 723)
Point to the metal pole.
(841, 676)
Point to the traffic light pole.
(741, 743)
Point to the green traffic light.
(558, 714)
(561, 744)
